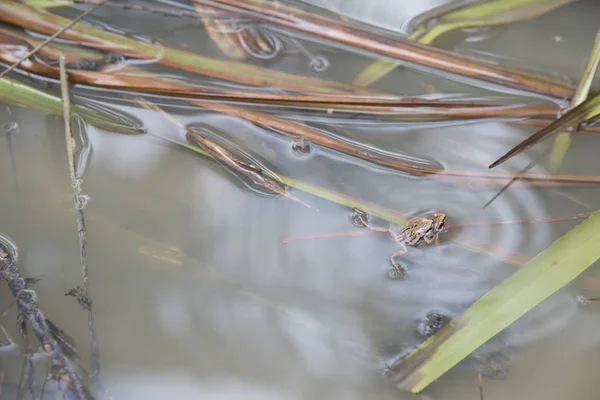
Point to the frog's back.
(414, 233)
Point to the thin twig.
(538, 122)
(51, 38)
(355, 232)
(515, 178)
(22, 378)
(480, 384)
(30, 376)
(45, 382)
(78, 203)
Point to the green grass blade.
(481, 13)
(327, 194)
(380, 68)
(48, 3)
(548, 272)
(502, 11)
(563, 140)
(15, 92)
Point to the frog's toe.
(397, 273)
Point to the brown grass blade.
(407, 108)
(42, 21)
(544, 122)
(251, 171)
(298, 130)
(384, 43)
(52, 37)
(574, 116)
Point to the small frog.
(422, 230)
(433, 322)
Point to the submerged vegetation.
(38, 43)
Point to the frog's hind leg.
(398, 271)
(373, 228)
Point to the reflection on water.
(195, 293)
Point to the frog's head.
(439, 222)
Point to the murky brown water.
(195, 293)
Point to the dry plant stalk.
(364, 37)
(78, 205)
(49, 336)
(44, 22)
(51, 38)
(141, 80)
(305, 132)
(252, 172)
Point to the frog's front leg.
(435, 238)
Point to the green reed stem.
(15, 92)
(563, 140)
(460, 16)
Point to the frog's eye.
(441, 222)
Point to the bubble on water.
(319, 64)
(81, 201)
(301, 146)
(582, 300)
(274, 45)
(10, 127)
(8, 250)
(358, 215)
